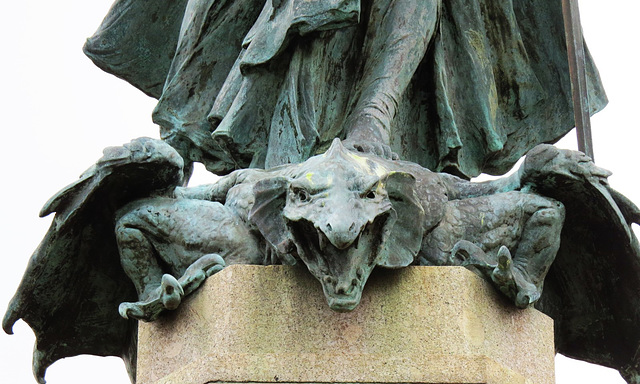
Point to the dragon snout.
(343, 286)
(344, 292)
(341, 233)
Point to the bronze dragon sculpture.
(341, 214)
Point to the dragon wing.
(73, 284)
(592, 290)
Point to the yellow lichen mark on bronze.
(369, 166)
(477, 41)
(382, 185)
(321, 180)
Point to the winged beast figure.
(554, 223)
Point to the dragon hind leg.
(481, 234)
(536, 251)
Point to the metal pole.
(576, 56)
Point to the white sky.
(59, 111)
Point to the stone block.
(256, 324)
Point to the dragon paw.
(147, 310)
(546, 161)
(512, 282)
(168, 296)
(198, 272)
(500, 270)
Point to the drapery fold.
(463, 87)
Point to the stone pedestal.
(255, 324)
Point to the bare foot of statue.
(367, 137)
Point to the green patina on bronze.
(342, 128)
(453, 86)
(553, 223)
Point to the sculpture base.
(255, 324)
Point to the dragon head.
(341, 214)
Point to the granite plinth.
(256, 324)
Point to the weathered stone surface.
(418, 324)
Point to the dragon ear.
(405, 239)
(266, 213)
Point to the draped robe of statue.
(457, 86)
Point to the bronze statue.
(313, 108)
(454, 86)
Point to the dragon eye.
(301, 194)
(371, 195)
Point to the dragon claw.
(147, 310)
(132, 311)
(469, 255)
(213, 270)
(504, 258)
(526, 298)
(123, 310)
(172, 292)
(502, 273)
(198, 272)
